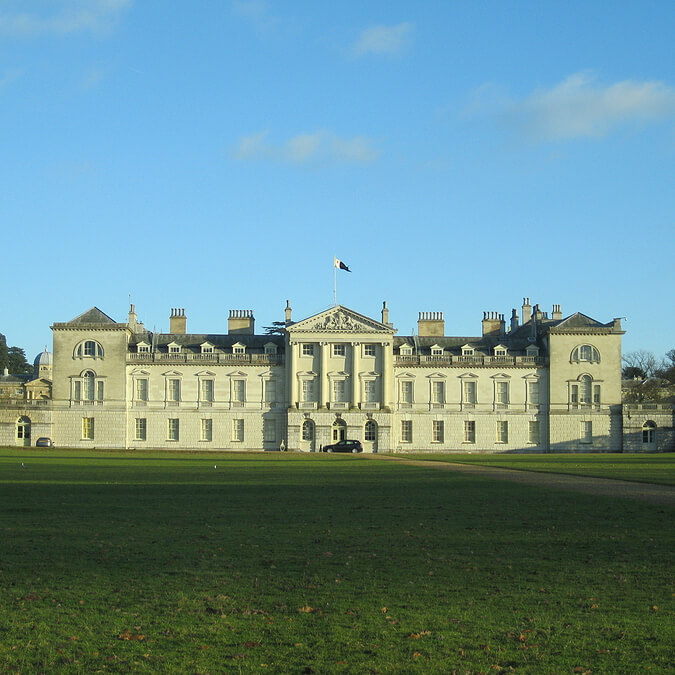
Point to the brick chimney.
(241, 322)
(178, 322)
(430, 324)
(556, 314)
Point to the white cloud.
(579, 107)
(69, 16)
(383, 40)
(310, 148)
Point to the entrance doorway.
(23, 431)
(339, 430)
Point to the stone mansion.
(539, 383)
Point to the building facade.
(540, 384)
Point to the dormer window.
(467, 350)
(143, 348)
(207, 348)
(500, 350)
(436, 350)
(174, 348)
(239, 348)
(532, 350)
(270, 348)
(406, 350)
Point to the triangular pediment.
(93, 315)
(339, 320)
(579, 320)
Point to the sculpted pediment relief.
(340, 320)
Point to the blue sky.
(216, 155)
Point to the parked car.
(344, 446)
(44, 442)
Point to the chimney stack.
(385, 313)
(178, 322)
(493, 324)
(431, 324)
(241, 322)
(514, 319)
(527, 310)
(287, 312)
(556, 314)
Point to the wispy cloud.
(257, 13)
(579, 107)
(383, 40)
(67, 17)
(311, 148)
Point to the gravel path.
(609, 487)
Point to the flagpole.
(334, 283)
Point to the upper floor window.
(437, 351)
(467, 350)
(239, 348)
(339, 350)
(207, 348)
(308, 349)
(369, 350)
(89, 349)
(585, 353)
(406, 350)
(270, 348)
(174, 348)
(143, 348)
(500, 350)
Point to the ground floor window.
(587, 432)
(308, 430)
(406, 431)
(438, 431)
(502, 432)
(238, 430)
(269, 431)
(206, 433)
(649, 433)
(533, 432)
(173, 431)
(469, 431)
(370, 431)
(141, 428)
(88, 428)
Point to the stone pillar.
(324, 391)
(387, 374)
(292, 375)
(356, 384)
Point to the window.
(438, 392)
(587, 432)
(405, 350)
(407, 391)
(206, 393)
(89, 349)
(141, 429)
(173, 390)
(502, 393)
(89, 386)
(207, 348)
(369, 350)
(467, 351)
(437, 351)
(143, 348)
(141, 389)
(533, 392)
(469, 431)
(370, 391)
(370, 431)
(269, 431)
(649, 432)
(502, 432)
(596, 394)
(308, 430)
(437, 431)
(533, 432)
(585, 353)
(469, 391)
(238, 431)
(339, 350)
(500, 351)
(239, 391)
(269, 391)
(174, 349)
(238, 349)
(88, 428)
(173, 429)
(339, 391)
(270, 348)
(308, 350)
(308, 390)
(206, 432)
(406, 431)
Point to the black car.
(344, 446)
(44, 442)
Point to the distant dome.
(44, 358)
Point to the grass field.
(645, 468)
(271, 563)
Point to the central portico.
(340, 366)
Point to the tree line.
(647, 377)
(13, 359)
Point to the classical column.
(356, 390)
(324, 391)
(292, 375)
(387, 374)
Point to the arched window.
(89, 349)
(370, 431)
(308, 430)
(584, 392)
(585, 353)
(339, 430)
(89, 386)
(649, 432)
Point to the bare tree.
(641, 363)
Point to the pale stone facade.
(542, 384)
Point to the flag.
(340, 265)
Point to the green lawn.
(645, 468)
(274, 563)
